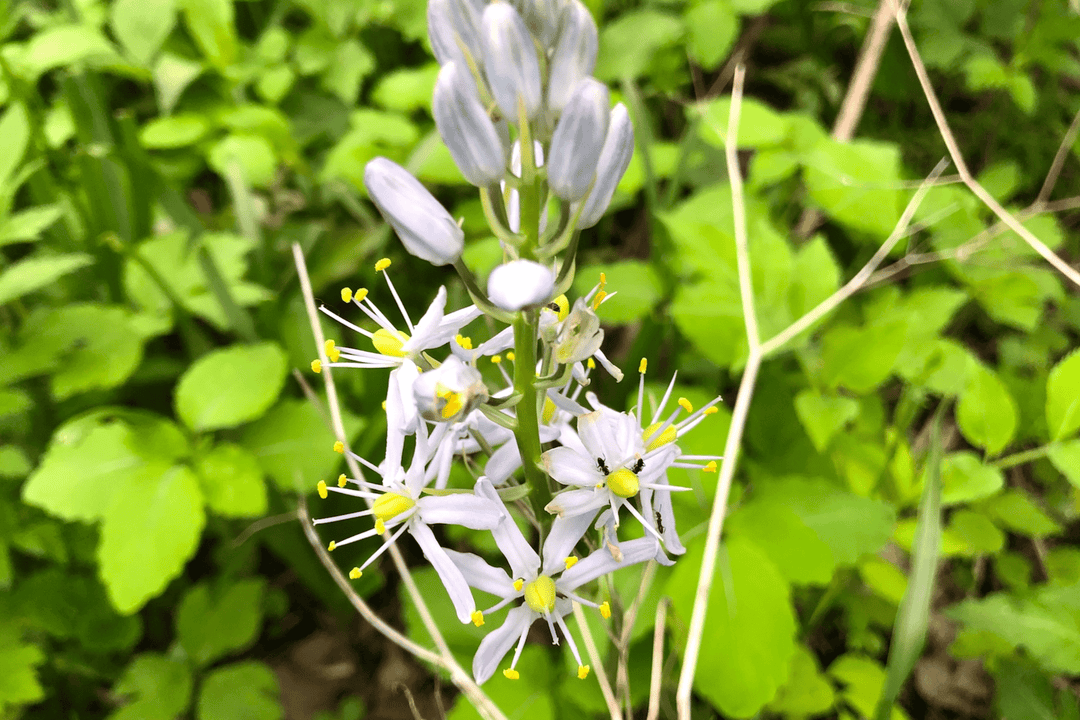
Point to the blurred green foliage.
(159, 157)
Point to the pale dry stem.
(597, 664)
(657, 659)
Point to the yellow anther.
(518, 584)
(342, 481)
(685, 405)
(570, 562)
(477, 618)
(346, 295)
(549, 410)
(591, 364)
(511, 674)
(316, 366)
(562, 307)
(389, 343)
(642, 365)
(464, 342)
(540, 594)
(624, 483)
(605, 610)
(339, 447)
(383, 404)
(603, 281)
(355, 573)
(454, 401)
(598, 299)
(510, 356)
(654, 439)
(321, 487)
(382, 264)
(331, 351)
(331, 546)
(380, 526)
(496, 359)
(710, 410)
(389, 505)
(361, 294)
(582, 672)
(709, 467)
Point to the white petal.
(520, 284)
(451, 325)
(427, 324)
(504, 462)
(459, 509)
(524, 562)
(565, 533)
(600, 562)
(482, 576)
(578, 502)
(452, 579)
(498, 642)
(400, 410)
(570, 468)
(672, 543)
(564, 403)
(598, 435)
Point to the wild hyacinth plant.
(527, 125)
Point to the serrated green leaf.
(229, 387)
(232, 481)
(352, 62)
(966, 478)
(172, 75)
(149, 531)
(254, 154)
(160, 686)
(1023, 691)
(977, 532)
(987, 414)
(1063, 397)
(35, 273)
(142, 26)
(213, 623)
(406, 89)
(759, 124)
(824, 415)
(242, 691)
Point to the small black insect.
(659, 522)
(602, 466)
(638, 466)
(554, 306)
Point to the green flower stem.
(1022, 457)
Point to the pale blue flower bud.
(578, 140)
(520, 284)
(614, 158)
(513, 72)
(466, 128)
(541, 17)
(574, 57)
(423, 224)
(452, 25)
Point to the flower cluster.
(514, 89)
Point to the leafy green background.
(158, 158)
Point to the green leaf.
(856, 182)
(150, 530)
(64, 46)
(861, 680)
(712, 27)
(35, 273)
(750, 616)
(229, 387)
(27, 225)
(142, 26)
(814, 278)
(210, 23)
(860, 359)
(14, 137)
(976, 532)
(18, 680)
(13, 462)
(965, 478)
(211, 625)
(1016, 511)
(796, 550)
(352, 62)
(294, 446)
(527, 697)
(629, 44)
(637, 285)
(1023, 691)
(987, 414)
(1063, 397)
(172, 75)
(406, 89)
(232, 481)
(1066, 458)
(241, 691)
(824, 415)
(160, 686)
(254, 154)
(174, 132)
(759, 125)
(806, 692)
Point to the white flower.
(577, 335)
(547, 587)
(520, 284)
(398, 505)
(449, 392)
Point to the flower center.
(540, 594)
(390, 505)
(389, 343)
(657, 439)
(454, 402)
(623, 483)
(549, 410)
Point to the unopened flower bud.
(510, 63)
(520, 284)
(578, 141)
(574, 57)
(614, 158)
(465, 127)
(541, 17)
(449, 392)
(454, 29)
(579, 335)
(424, 226)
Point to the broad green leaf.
(860, 359)
(824, 415)
(294, 446)
(142, 26)
(229, 387)
(27, 225)
(175, 131)
(352, 62)
(750, 616)
(75, 607)
(213, 623)
(150, 530)
(978, 534)
(1066, 458)
(13, 462)
(814, 278)
(35, 273)
(965, 478)
(796, 550)
(629, 44)
(406, 89)
(987, 414)
(883, 578)
(232, 481)
(18, 680)
(64, 46)
(636, 283)
(1023, 691)
(712, 28)
(1017, 512)
(274, 83)
(210, 23)
(856, 183)
(254, 154)
(527, 697)
(759, 124)
(172, 75)
(861, 680)
(806, 691)
(14, 136)
(242, 691)
(160, 688)
(1063, 397)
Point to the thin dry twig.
(597, 663)
(1059, 161)
(444, 658)
(958, 159)
(657, 659)
(622, 675)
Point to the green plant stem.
(1022, 457)
(527, 432)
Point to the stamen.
(582, 672)
(605, 610)
(510, 356)
(685, 405)
(382, 264)
(477, 618)
(335, 518)
(343, 321)
(572, 644)
(397, 299)
(316, 366)
(664, 400)
(346, 295)
(321, 487)
(648, 526)
(332, 351)
(339, 447)
(570, 562)
(355, 573)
